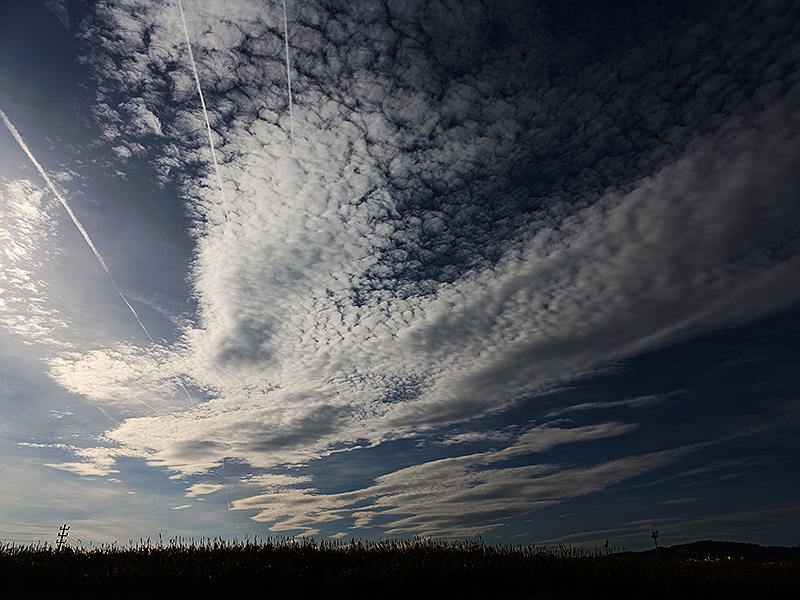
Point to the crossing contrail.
(205, 111)
(72, 216)
(288, 74)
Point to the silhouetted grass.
(391, 569)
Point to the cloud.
(81, 468)
(478, 436)
(201, 489)
(637, 402)
(125, 374)
(285, 343)
(24, 223)
(96, 461)
(467, 219)
(447, 498)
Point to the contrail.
(107, 416)
(72, 216)
(288, 74)
(205, 111)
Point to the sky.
(523, 271)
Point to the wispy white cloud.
(82, 468)
(637, 402)
(448, 497)
(24, 222)
(95, 461)
(201, 489)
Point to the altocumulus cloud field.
(524, 270)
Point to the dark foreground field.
(419, 569)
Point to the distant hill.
(711, 549)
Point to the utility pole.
(654, 535)
(62, 536)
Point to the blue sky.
(528, 272)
